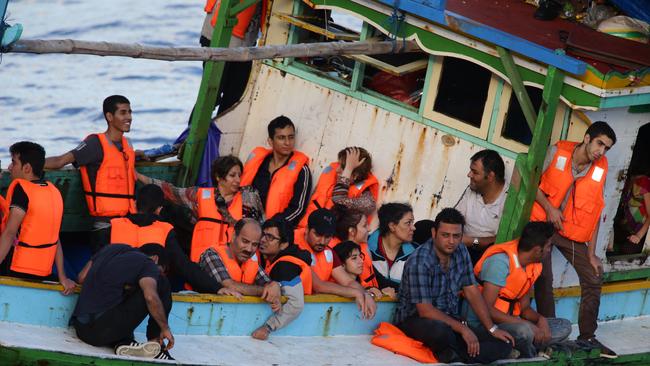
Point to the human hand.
(542, 332)
(166, 334)
(68, 286)
(554, 216)
(634, 239)
(362, 299)
(470, 339)
(271, 292)
(596, 263)
(390, 292)
(375, 292)
(142, 178)
(352, 161)
(276, 306)
(504, 336)
(371, 307)
(230, 292)
(261, 333)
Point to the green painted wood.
(243, 5)
(566, 122)
(68, 181)
(298, 7)
(212, 74)
(441, 45)
(426, 89)
(626, 275)
(523, 187)
(518, 88)
(360, 67)
(496, 107)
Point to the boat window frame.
(431, 92)
(503, 103)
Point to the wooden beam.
(69, 46)
(518, 88)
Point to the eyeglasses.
(270, 237)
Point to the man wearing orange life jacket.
(146, 227)
(107, 167)
(570, 195)
(328, 275)
(285, 263)
(235, 266)
(348, 182)
(507, 272)
(280, 174)
(35, 214)
(244, 34)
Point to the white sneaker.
(136, 349)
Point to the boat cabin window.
(515, 126)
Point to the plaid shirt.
(211, 263)
(425, 282)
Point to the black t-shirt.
(286, 271)
(19, 198)
(116, 268)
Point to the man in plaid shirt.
(429, 301)
(240, 252)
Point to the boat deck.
(61, 346)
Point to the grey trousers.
(524, 335)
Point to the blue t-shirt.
(495, 270)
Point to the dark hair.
(422, 231)
(346, 218)
(110, 103)
(363, 170)
(239, 225)
(344, 249)
(151, 249)
(222, 165)
(279, 123)
(601, 128)
(492, 162)
(30, 153)
(449, 215)
(535, 234)
(284, 229)
(149, 198)
(391, 213)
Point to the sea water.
(56, 100)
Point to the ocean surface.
(56, 100)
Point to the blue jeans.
(524, 335)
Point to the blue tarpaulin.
(210, 152)
(639, 9)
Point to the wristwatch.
(475, 243)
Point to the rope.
(395, 20)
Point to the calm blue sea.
(56, 100)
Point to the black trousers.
(233, 82)
(448, 346)
(115, 326)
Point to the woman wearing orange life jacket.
(348, 182)
(214, 209)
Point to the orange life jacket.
(39, 231)
(322, 263)
(281, 189)
(211, 230)
(112, 193)
(124, 231)
(4, 212)
(326, 182)
(393, 339)
(368, 277)
(519, 280)
(245, 273)
(585, 202)
(243, 18)
(305, 274)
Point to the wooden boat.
(489, 76)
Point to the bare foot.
(261, 333)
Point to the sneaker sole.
(148, 350)
(608, 356)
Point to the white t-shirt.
(481, 219)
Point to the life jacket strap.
(42, 246)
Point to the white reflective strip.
(206, 194)
(516, 259)
(560, 163)
(598, 174)
(328, 256)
